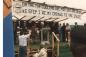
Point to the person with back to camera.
(63, 29)
(23, 43)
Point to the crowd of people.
(35, 27)
(24, 30)
(32, 30)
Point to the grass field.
(64, 49)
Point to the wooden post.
(52, 44)
(58, 45)
(48, 36)
(52, 41)
(58, 48)
(69, 39)
(41, 36)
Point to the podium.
(45, 35)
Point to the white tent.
(45, 12)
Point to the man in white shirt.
(42, 52)
(23, 44)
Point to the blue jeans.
(22, 51)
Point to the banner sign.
(41, 9)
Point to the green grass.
(34, 45)
(64, 49)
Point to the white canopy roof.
(41, 17)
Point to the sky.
(79, 4)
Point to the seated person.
(42, 52)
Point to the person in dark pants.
(56, 26)
(78, 41)
(22, 51)
(68, 29)
(23, 44)
(60, 32)
(63, 32)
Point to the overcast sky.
(80, 4)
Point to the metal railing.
(53, 43)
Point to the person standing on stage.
(68, 29)
(23, 44)
(76, 25)
(56, 31)
(60, 32)
(63, 32)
